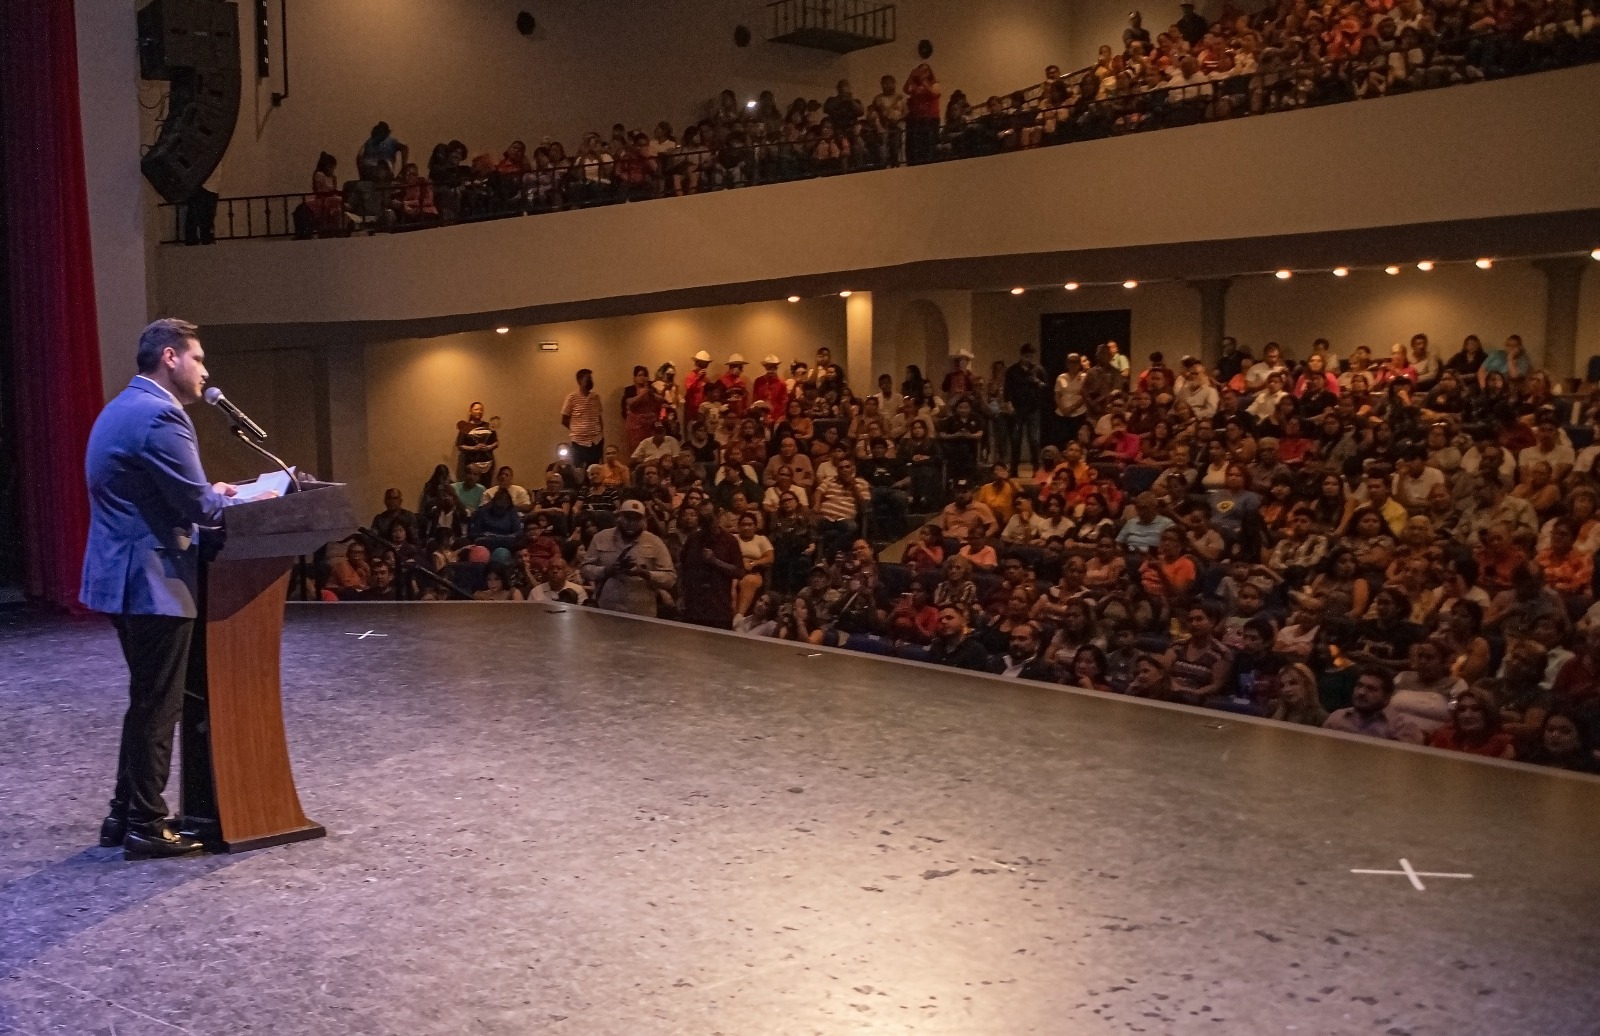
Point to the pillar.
(1213, 316)
(340, 404)
(1563, 279)
(108, 81)
(858, 353)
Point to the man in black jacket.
(954, 645)
(1025, 661)
(1025, 394)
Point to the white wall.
(108, 72)
(442, 69)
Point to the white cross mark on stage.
(364, 636)
(1412, 874)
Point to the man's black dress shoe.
(112, 830)
(158, 840)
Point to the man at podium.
(147, 497)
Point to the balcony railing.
(1036, 117)
(840, 26)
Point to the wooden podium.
(238, 788)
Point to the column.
(858, 353)
(1563, 279)
(108, 81)
(340, 405)
(1213, 316)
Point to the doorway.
(1082, 333)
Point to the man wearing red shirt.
(694, 386)
(735, 390)
(771, 390)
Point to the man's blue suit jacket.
(147, 495)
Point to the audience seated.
(1400, 589)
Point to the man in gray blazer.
(148, 496)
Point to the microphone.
(214, 396)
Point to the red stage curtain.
(54, 337)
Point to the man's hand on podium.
(225, 488)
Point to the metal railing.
(1028, 119)
(867, 19)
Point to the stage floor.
(556, 821)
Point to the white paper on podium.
(269, 482)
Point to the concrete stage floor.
(567, 822)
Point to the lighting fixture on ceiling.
(1425, 266)
(1595, 255)
(846, 294)
(1284, 275)
(794, 298)
(1484, 264)
(502, 330)
(1130, 284)
(1391, 270)
(1016, 291)
(1071, 285)
(1341, 271)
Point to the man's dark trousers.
(156, 648)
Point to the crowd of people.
(1286, 55)
(1400, 546)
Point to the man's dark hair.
(1383, 676)
(581, 372)
(159, 336)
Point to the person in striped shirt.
(582, 417)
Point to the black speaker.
(194, 44)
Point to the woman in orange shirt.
(1168, 572)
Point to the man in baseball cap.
(627, 565)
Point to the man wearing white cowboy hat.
(770, 390)
(694, 386)
(735, 390)
(959, 381)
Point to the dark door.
(1082, 333)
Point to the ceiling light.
(794, 298)
(1016, 291)
(845, 294)
(1130, 284)
(1284, 275)
(1341, 271)
(1595, 255)
(502, 330)
(1073, 285)
(1425, 266)
(1484, 264)
(1391, 270)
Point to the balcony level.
(1510, 167)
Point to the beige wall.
(416, 389)
(1166, 318)
(443, 69)
(1374, 309)
(419, 389)
(276, 388)
(1301, 173)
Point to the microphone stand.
(249, 440)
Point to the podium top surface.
(295, 523)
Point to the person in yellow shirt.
(999, 494)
